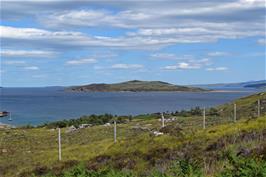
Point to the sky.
(64, 43)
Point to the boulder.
(107, 125)
(85, 125)
(157, 133)
(70, 129)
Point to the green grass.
(31, 148)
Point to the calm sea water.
(38, 105)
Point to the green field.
(224, 148)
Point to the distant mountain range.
(134, 86)
(261, 84)
(256, 85)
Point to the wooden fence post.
(59, 144)
(114, 131)
(204, 118)
(258, 108)
(234, 112)
(162, 119)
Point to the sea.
(35, 106)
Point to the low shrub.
(239, 166)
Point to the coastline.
(229, 91)
(127, 91)
(206, 91)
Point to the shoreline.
(230, 91)
(207, 91)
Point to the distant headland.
(135, 86)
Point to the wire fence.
(209, 117)
(58, 141)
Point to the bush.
(81, 171)
(28, 126)
(92, 119)
(213, 112)
(196, 111)
(184, 168)
(243, 167)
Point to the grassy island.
(134, 86)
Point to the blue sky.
(62, 43)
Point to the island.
(135, 86)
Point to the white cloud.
(157, 14)
(203, 31)
(261, 41)
(217, 69)
(183, 66)
(62, 39)
(119, 66)
(218, 54)
(164, 56)
(190, 64)
(144, 38)
(167, 31)
(33, 34)
(27, 53)
(127, 66)
(171, 67)
(171, 56)
(14, 62)
(31, 68)
(147, 25)
(90, 18)
(81, 61)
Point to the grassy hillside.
(247, 107)
(224, 148)
(134, 86)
